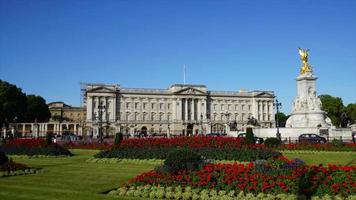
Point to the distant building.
(65, 113)
(181, 109)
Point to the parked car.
(258, 140)
(311, 138)
(215, 134)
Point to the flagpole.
(184, 74)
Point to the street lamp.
(201, 123)
(277, 105)
(101, 109)
(36, 128)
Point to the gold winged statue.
(304, 53)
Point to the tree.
(249, 136)
(282, 119)
(12, 103)
(37, 109)
(350, 110)
(333, 106)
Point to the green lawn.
(73, 178)
(68, 178)
(323, 157)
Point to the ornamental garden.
(197, 167)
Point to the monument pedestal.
(307, 106)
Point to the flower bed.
(218, 148)
(191, 142)
(83, 145)
(243, 154)
(34, 146)
(10, 168)
(278, 176)
(177, 192)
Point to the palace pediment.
(265, 94)
(101, 89)
(189, 91)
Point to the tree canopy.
(282, 119)
(37, 109)
(13, 103)
(336, 110)
(15, 106)
(333, 106)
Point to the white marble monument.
(307, 111)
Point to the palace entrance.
(144, 131)
(190, 129)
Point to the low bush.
(118, 139)
(243, 154)
(183, 160)
(272, 142)
(249, 140)
(33, 147)
(337, 143)
(48, 139)
(12, 166)
(3, 158)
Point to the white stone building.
(180, 109)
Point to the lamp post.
(201, 123)
(169, 129)
(277, 105)
(36, 128)
(101, 109)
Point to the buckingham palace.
(182, 109)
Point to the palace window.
(127, 105)
(144, 105)
(136, 105)
(169, 106)
(153, 106)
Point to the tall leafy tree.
(333, 106)
(13, 103)
(350, 110)
(282, 119)
(37, 109)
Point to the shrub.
(243, 154)
(33, 147)
(337, 143)
(249, 136)
(272, 142)
(118, 139)
(48, 138)
(3, 158)
(183, 159)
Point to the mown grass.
(323, 157)
(74, 178)
(68, 178)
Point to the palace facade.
(181, 109)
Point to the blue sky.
(49, 47)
